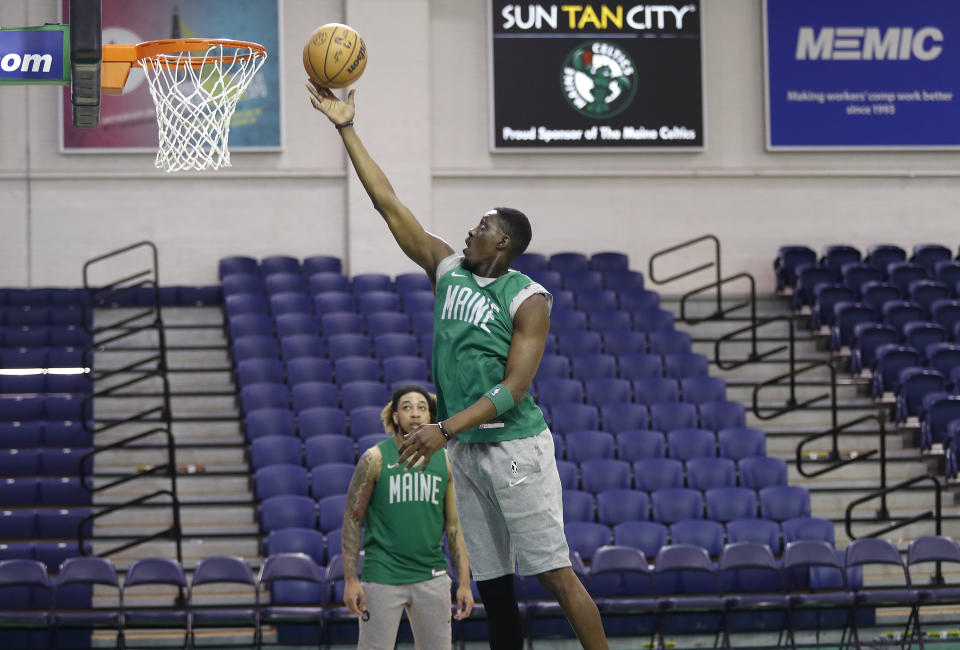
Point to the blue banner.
(34, 55)
(853, 74)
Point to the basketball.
(334, 55)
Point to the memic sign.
(535, 16)
(868, 43)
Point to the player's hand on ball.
(424, 441)
(336, 110)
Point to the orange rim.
(176, 51)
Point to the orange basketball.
(335, 55)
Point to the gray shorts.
(427, 604)
(510, 504)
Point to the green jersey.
(404, 521)
(472, 331)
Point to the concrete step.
(194, 550)
(184, 432)
(190, 515)
(128, 458)
(213, 488)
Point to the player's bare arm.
(531, 324)
(358, 499)
(458, 551)
(424, 248)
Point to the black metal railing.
(712, 264)
(792, 403)
(936, 515)
(152, 365)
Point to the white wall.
(423, 110)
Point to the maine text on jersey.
(413, 486)
(465, 304)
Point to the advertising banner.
(862, 74)
(596, 76)
(35, 55)
(128, 122)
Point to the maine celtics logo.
(599, 79)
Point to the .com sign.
(34, 55)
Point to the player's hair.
(517, 227)
(386, 415)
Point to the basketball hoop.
(195, 84)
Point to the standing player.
(490, 326)
(404, 515)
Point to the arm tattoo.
(358, 498)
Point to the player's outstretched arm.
(358, 498)
(458, 551)
(424, 248)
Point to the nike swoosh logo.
(458, 275)
(517, 482)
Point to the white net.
(195, 93)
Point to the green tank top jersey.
(403, 527)
(473, 327)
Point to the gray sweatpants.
(427, 604)
(510, 503)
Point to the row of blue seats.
(43, 461)
(45, 357)
(563, 418)
(790, 258)
(776, 501)
(902, 317)
(630, 445)
(23, 491)
(573, 343)
(904, 280)
(20, 336)
(37, 524)
(47, 406)
(46, 382)
(35, 316)
(527, 262)
(940, 355)
(927, 301)
(77, 298)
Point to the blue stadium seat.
(946, 312)
(674, 504)
(610, 322)
(302, 345)
(591, 366)
(415, 281)
(857, 274)
(321, 420)
(599, 474)
(64, 491)
(264, 395)
(332, 301)
(290, 303)
(309, 394)
(562, 299)
(673, 415)
(559, 391)
(586, 537)
(609, 261)
(309, 369)
(363, 393)
(252, 371)
(914, 383)
(255, 347)
(622, 416)
(652, 320)
(330, 478)
(330, 512)
(576, 342)
(368, 440)
(582, 280)
(656, 390)
(637, 299)
(826, 297)
(903, 274)
(308, 541)
(418, 301)
(618, 505)
(275, 450)
(926, 292)
(64, 462)
(18, 434)
(274, 480)
(568, 261)
(706, 473)
(285, 282)
(367, 282)
(891, 359)
(287, 511)
(329, 449)
(568, 417)
(346, 345)
(234, 264)
(63, 523)
(928, 255)
(19, 491)
(685, 364)
(808, 528)
(669, 342)
(356, 368)
(837, 255)
(553, 366)
(920, 334)
(421, 323)
(881, 255)
(728, 503)
(403, 368)
(258, 324)
(578, 506)
(652, 474)
(684, 444)
(808, 279)
(324, 281)
(595, 300)
(782, 502)
(601, 391)
(757, 531)
(740, 442)
(707, 535)
(366, 419)
(341, 322)
(395, 344)
(569, 475)
(584, 445)
(621, 343)
(634, 444)
(372, 302)
(647, 536)
(867, 338)
(321, 264)
(697, 390)
(847, 315)
(569, 320)
(529, 262)
(757, 472)
(622, 279)
(875, 294)
(273, 264)
(943, 357)
(640, 365)
(722, 415)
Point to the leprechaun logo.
(599, 79)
